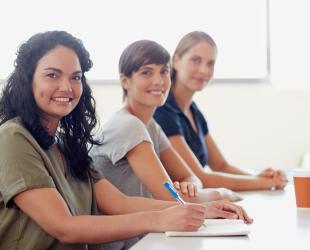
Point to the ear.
(175, 61)
(124, 81)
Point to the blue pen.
(173, 192)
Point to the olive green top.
(25, 165)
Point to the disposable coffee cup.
(302, 187)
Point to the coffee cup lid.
(301, 172)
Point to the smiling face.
(148, 86)
(57, 85)
(195, 67)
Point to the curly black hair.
(17, 100)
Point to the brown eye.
(77, 78)
(165, 71)
(196, 60)
(146, 72)
(51, 75)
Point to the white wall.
(255, 125)
(290, 44)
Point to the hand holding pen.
(175, 194)
(216, 209)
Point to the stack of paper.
(217, 227)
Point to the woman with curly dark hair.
(49, 190)
(18, 99)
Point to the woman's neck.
(144, 113)
(49, 125)
(182, 96)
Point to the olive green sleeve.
(21, 166)
(95, 174)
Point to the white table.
(278, 224)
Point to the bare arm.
(106, 194)
(177, 168)
(235, 182)
(110, 200)
(267, 179)
(150, 170)
(217, 161)
(48, 209)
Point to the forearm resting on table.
(134, 205)
(101, 229)
(236, 182)
(226, 168)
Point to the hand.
(267, 173)
(228, 194)
(188, 217)
(227, 210)
(186, 188)
(279, 179)
(278, 176)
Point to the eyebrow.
(151, 68)
(145, 67)
(60, 71)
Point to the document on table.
(217, 227)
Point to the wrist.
(269, 183)
(152, 220)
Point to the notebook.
(217, 227)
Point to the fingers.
(190, 188)
(280, 179)
(184, 188)
(187, 188)
(225, 214)
(282, 175)
(239, 211)
(176, 185)
(242, 214)
(194, 215)
(188, 217)
(268, 172)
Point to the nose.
(158, 80)
(65, 85)
(204, 68)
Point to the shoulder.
(123, 121)
(166, 115)
(157, 132)
(167, 108)
(11, 126)
(154, 126)
(121, 128)
(200, 118)
(12, 131)
(198, 112)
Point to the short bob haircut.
(187, 42)
(17, 100)
(141, 53)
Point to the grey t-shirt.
(120, 134)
